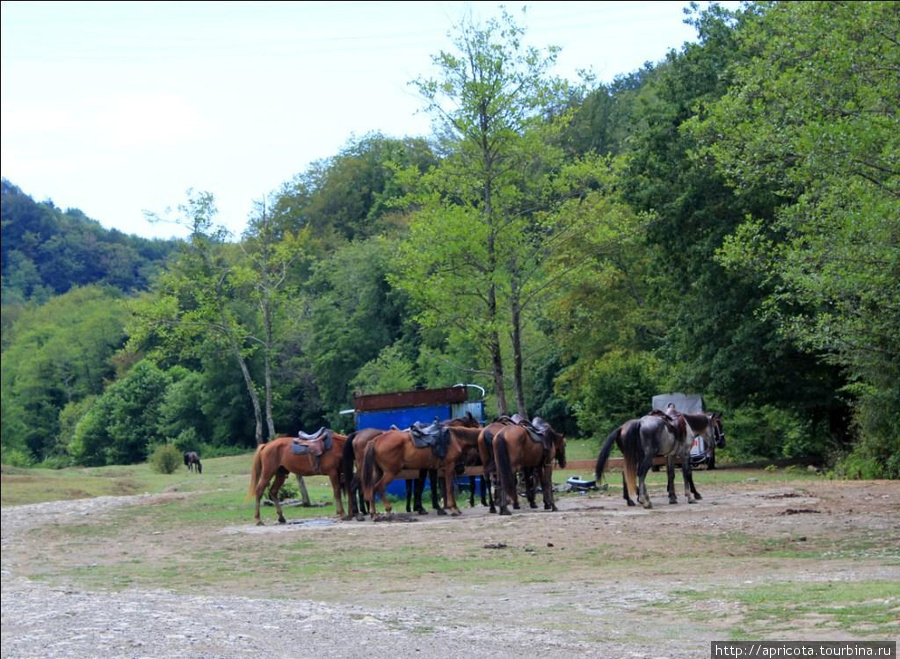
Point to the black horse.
(192, 461)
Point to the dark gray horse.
(192, 461)
(656, 435)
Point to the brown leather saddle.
(314, 445)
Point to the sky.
(121, 108)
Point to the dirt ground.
(614, 581)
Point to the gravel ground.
(47, 622)
(49, 619)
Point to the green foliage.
(618, 387)
(124, 421)
(813, 110)
(769, 432)
(165, 459)
(46, 251)
(57, 355)
(390, 371)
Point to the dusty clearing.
(596, 579)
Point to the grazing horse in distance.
(527, 446)
(192, 462)
(319, 454)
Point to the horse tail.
(504, 468)
(255, 472)
(367, 477)
(348, 460)
(633, 450)
(605, 450)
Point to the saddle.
(314, 445)
(677, 426)
(538, 430)
(433, 435)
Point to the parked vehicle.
(702, 452)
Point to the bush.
(166, 458)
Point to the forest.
(724, 221)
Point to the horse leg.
(280, 477)
(335, 477)
(530, 493)
(625, 491)
(472, 485)
(688, 477)
(547, 486)
(645, 466)
(449, 494)
(418, 506)
(670, 479)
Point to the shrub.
(166, 458)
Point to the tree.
(196, 300)
(472, 254)
(814, 110)
(124, 421)
(59, 353)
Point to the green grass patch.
(869, 609)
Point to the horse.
(192, 462)
(472, 458)
(319, 454)
(354, 452)
(395, 450)
(527, 446)
(656, 434)
(486, 454)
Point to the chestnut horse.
(518, 446)
(394, 450)
(280, 457)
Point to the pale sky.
(117, 108)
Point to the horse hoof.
(422, 511)
(673, 501)
(441, 511)
(691, 501)
(697, 497)
(532, 505)
(282, 520)
(504, 511)
(631, 503)
(360, 518)
(259, 522)
(456, 513)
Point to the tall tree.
(813, 114)
(196, 300)
(470, 249)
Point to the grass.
(773, 609)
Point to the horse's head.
(560, 444)
(715, 420)
(558, 440)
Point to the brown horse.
(395, 450)
(520, 447)
(486, 453)
(354, 453)
(311, 455)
